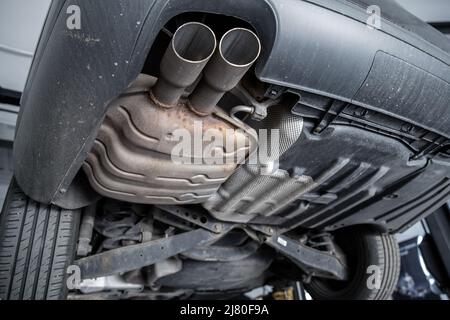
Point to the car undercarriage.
(223, 148)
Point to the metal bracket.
(313, 262)
(259, 108)
(274, 92)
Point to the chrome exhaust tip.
(238, 49)
(190, 49)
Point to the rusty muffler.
(133, 155)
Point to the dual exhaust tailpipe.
(194, 50)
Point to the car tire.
(369, 254)
(37, 244)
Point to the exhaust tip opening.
(194, 42)
(240, 47)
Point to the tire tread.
(37, 243)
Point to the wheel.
(373, 259)
(37, 244)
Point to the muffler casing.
(131, 158)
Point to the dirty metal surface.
(132, 158)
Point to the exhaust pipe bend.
(238, 50)
(189, 51)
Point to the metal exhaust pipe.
(238, 50)
(191, 47)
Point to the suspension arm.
(140, 255)
(313, 262)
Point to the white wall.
(21, 22)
